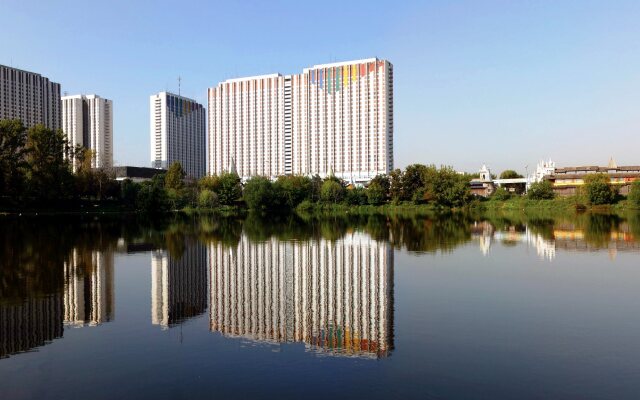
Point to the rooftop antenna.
(179, 80)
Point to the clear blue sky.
(498, 82)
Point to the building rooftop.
(174, 95)
(329, 65)
(250, 78)
(595, 168)
(342, 63)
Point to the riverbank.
(561, 204)
(515, 204)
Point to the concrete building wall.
(87, 120)
(177, 133)
(30, 97)
(332, 118)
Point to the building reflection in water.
(32, 323)
(564, 238)
(88, 288)
(335, 296)
(178, 285)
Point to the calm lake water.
(453, 307)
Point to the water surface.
(442, 307)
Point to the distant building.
(177, 133)
(566, 181)
(136, 174)
(29, 97)
(88, 121)
(330, 118)
(483, 186)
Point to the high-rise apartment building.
(88, 121)
(178, 133)
(29, 97)
(330, 119)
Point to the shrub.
(541, 191)
(331, 191)
(598, 189)
(634, 194)
(305, 206)
(293, 189)
(207, 199)
(356, 197)
(259, 193)
(229, 188)
(501, 194)
(376, 194)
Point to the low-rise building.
(483, 186)
(136, 174)
(567, 181)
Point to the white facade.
(334, 296)
(177, 133)
(330, 118)
(29, 97)
(88, 121)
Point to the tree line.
(39, 168)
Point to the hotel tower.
(177, 127)
(330, 119)
(88, 121)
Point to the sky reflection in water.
(369, 306)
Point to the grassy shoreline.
(515, 204)
(564, 204)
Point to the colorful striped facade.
(332, 118)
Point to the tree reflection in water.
(59, 270)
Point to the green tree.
(541, 191)
(316, 186)
(384, 183)
(356, 196)
(332, 191)
(510, 174)
(129, 192)
(293, 189)
(175, 177)
(13, 166)
(209, 182)
(49, 172)
(207, 199)
(450, 188)
(598, 189)
(258, 193)
(412, 180)
(634, 194)
(152, 196)
(376, 194)
(229, 188)
(85, 180)
(395, 185)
